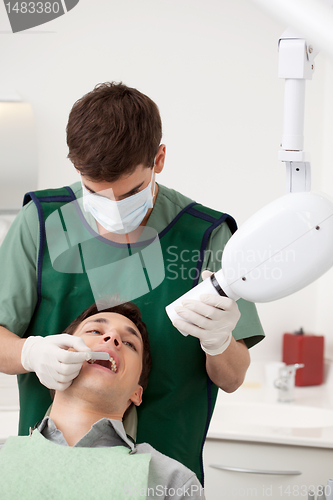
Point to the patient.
(96, 456)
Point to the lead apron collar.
(34, 468)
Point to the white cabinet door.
(315, 466)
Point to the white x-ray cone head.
(281, 249)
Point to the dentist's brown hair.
(111, 130)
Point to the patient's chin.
(90, 382)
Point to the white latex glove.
(211, 319)
(49, 358)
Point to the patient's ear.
(136, 396)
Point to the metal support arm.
(296, 65)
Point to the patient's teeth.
(112, 361)
(113, 364)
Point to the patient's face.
(121, 339)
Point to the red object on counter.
(309, 350)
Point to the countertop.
(252, 413)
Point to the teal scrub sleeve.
(18, 274)
(248, 327)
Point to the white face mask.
(122, 216)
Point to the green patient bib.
(33, 468)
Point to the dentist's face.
(118, 378)
(128, 184)
(123, 187)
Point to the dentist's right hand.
(49, 357)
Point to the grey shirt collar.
(104, 432)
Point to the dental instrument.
(92, 357)
(97, 355)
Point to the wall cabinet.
(315, 466)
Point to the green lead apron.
(179, 400)
(33, 468)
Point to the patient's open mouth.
(110, 364)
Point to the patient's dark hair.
(132, 312)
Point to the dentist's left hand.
(49, 357)
(211, 319)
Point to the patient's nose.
(114, 337)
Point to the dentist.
(114, 138)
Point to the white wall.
(211, 66)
